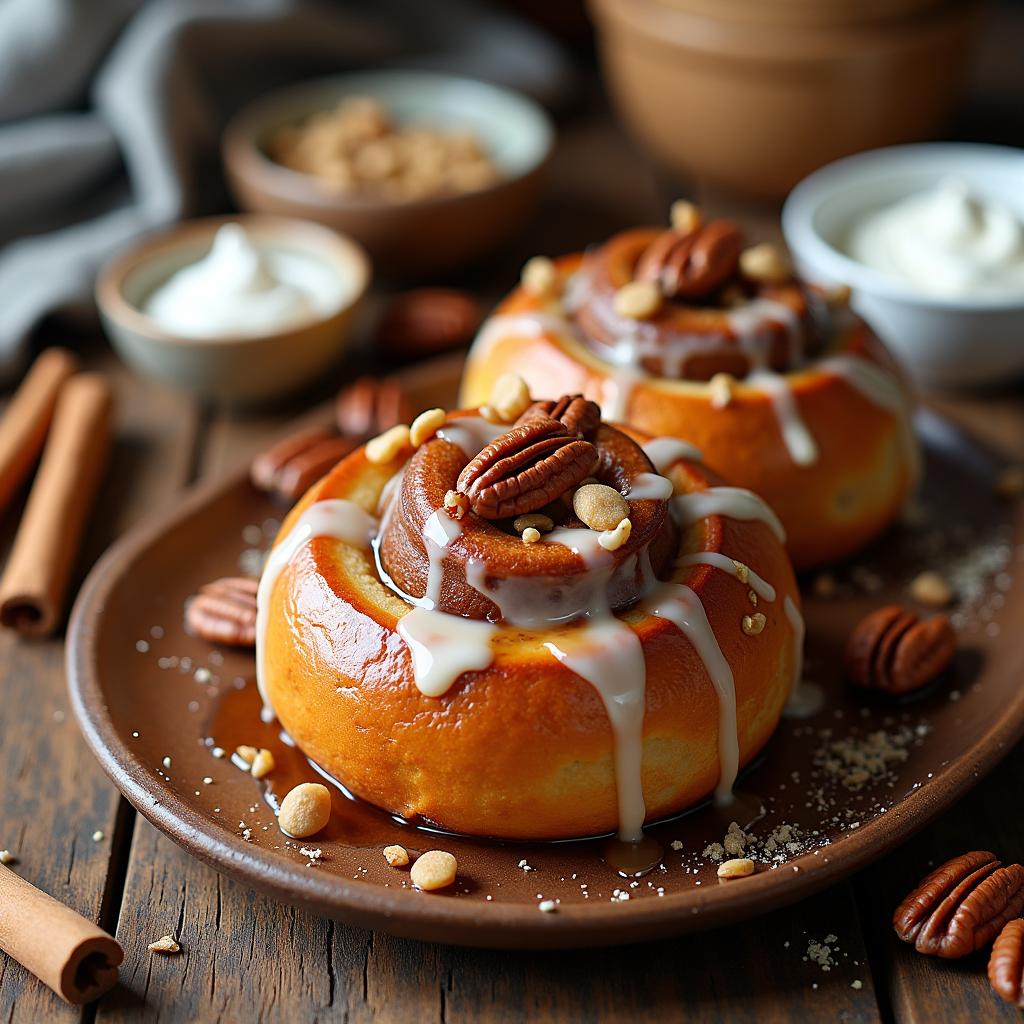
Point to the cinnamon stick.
(35, 582)
(27, 418)
(77, 959)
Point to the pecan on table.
(578, 415)
(961, 906)
(525, 469)
(370, 405)
(893, 650)
(428, 321)
(692, 265)
(1006, 964)
(224, 612)
(294, 464)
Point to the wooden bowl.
(242, 368)
(756, 103)
(430, 235)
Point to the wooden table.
(248, 959)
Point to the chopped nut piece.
(262, 763)
(742, 571)
(425, 426)
(765, 263)
(754, 624)
(720, 388)
(510, 397)
(455, 504)
(638, 300)
(612, 540)
(489, 413)
(305, 810)
(540, 277)
(531, 535)
(599, 506)
(738, 867)
(1010, 482)
(165, 944)
(539, 521)
(247, 753)
(396, 856)
(684, 216)
(386, 447)
(434, 869)
(6, 857)
(932, 589)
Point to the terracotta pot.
(753, 97)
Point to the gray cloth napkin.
(111, 112)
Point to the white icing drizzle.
(805, 699)
(760, 586)
(617, 390)
(663, 451)
(650, 485)
(471, 433)
(438, 532)
(682, 607)
(608, 655)
(800, 444)
(443, 646)
(734, 502)
(333, 517)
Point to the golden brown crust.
(522, 749)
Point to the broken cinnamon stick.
(35, 582)
(77, 959)
(27, 418)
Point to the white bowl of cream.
(236, 309)
(930, 238)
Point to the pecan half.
(892, 650)
(428, 321)
(291, 466)
(371, 405)
(578, 415)
(1006, 964)
(961, 906)
(690, 266)
(224, 612)
(526, 468)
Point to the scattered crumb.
(217, 752)
(396, 856)
(207, 780)
(262, 763)
(166, 762)
(858, 984)
(165, 944)
(315, 856)
(6, 857)
(97, 836)
(525, 866)
(547, 906)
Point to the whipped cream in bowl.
(930, 239)
(946, 241)
(236, 309)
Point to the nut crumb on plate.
(738, 867)
(931, 588)
(435, 869)
(305, 810)
(396, 856)
(262, 763)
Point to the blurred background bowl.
(753, 95)
(242, 368)
(946, 342)
(424, 236)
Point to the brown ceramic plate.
(838, 788)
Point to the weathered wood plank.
(54, 795)
(248, 958)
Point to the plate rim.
(410, 914)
